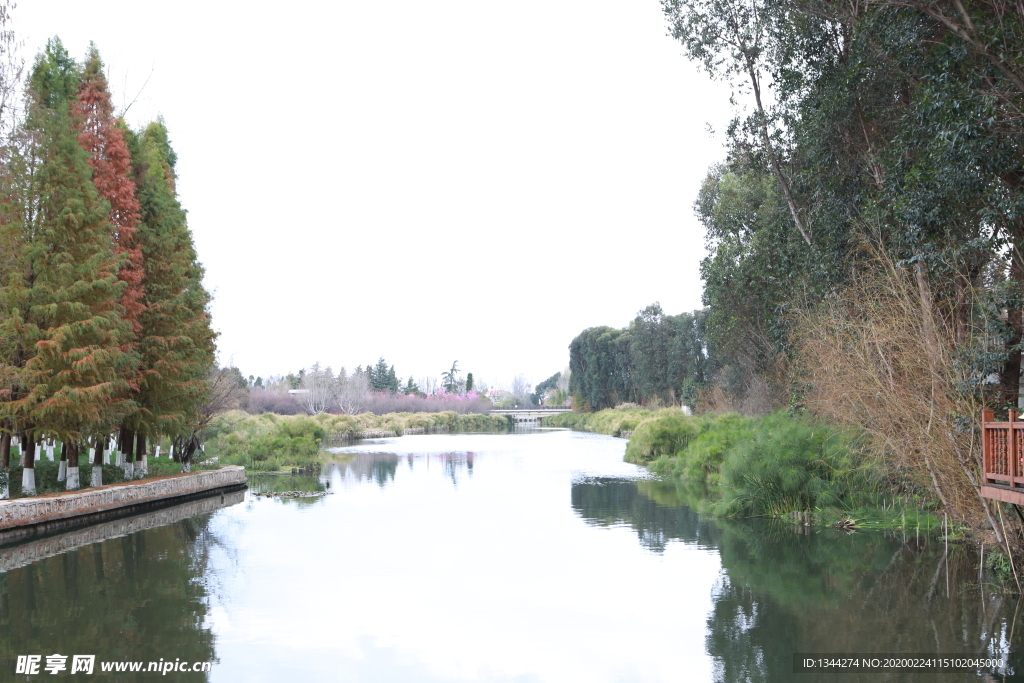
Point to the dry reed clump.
(884, 358)
(757, 395)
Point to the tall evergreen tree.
(63, 300)
(380, 376)
(110, 160)
(176, 341)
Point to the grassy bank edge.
(778, 465)
(271, 442)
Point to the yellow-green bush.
(613, 421)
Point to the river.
(530, 557)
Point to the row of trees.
(104, 326)
(865, 234)
(319, 390)
(866, 230)
(658, 359)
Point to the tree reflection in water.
(787, 589)
(381, 468)
(140, 596)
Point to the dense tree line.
(895, 133)
(658, 359)
(104, 327)
(865, 232)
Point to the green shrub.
(612, 421)
(787, 465)
(744, 466)
(662, 434)
(702, 458)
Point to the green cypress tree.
(176, 341)
(63, 298)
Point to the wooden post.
(1011, 448)
(986, 442)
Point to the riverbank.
(270, 442)
(39, 515)
(778, 465)
(46, 474)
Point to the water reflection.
(382, 467)
(270, 484)
(131, 589)
(786, 589)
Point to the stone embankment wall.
(23, 517)
(25, 554)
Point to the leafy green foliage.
(382, 377)
(70, 340)
(176, 340)
(736, 466)
(658, 359)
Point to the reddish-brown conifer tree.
(110, 160)
(112, 174)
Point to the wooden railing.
(1002, 448)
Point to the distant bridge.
(523, 415)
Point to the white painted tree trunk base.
(49, 453)
(5, 489)
(72, 479)
(141, 469)
(157, 454)
(129, 471)
(120, 459)
(62, 471)
(28, 481)
(21, 460)
(97, 476)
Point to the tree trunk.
(72, 475)
(772, 157)
(62, 469)
(1009, 378)
(128, 449)
(140, 456)
(28, 475)
(97, 461)
(5, 466)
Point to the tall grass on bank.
(736, 466)
(613, 421)
(269, 442)
(884, 358)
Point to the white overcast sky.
(427, 181)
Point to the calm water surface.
(523, 557)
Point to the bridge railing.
(1002, 450)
